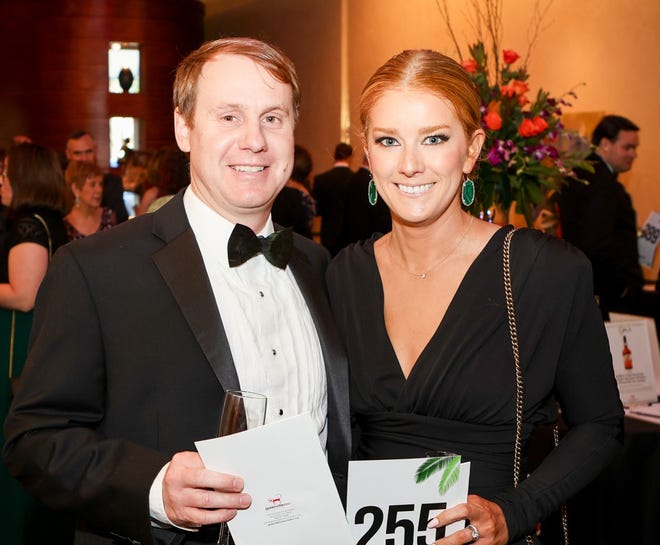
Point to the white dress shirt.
(273, 340)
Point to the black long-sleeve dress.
(460, 395)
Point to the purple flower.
(494, 157)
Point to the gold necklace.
(425, 275)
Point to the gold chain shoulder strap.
(513, 333)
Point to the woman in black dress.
(423, 314)
(34, 194)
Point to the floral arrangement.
(527, 153)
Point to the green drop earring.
(467, 191)
(372, 193)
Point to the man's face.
(81, 149)
(241, 139)
(621, 153)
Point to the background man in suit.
(361, 219)
(139, 332)
(80, 146)
(329, 191)
(600, 220)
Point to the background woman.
(167, 172)
(87, 216)
(34, 195)
(424, 317)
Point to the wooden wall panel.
(55, 66)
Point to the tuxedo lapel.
(182, 268)
(312, 286)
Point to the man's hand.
(194, 496)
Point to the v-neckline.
(493, 243)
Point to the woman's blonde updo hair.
(425, 70)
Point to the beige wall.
(309, 32)
(604, 49)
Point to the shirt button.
(261, 293)
(274, 352)
(281, 412)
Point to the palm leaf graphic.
(449, 465)
(450, 475)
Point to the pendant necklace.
(426, 274)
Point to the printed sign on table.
(391, 501)
(632, 357)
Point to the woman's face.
(133, 177)
(91, 192)
(418, 153)
(6, 192)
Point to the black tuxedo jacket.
(128, 365)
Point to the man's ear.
(181, 131)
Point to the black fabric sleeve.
(53, 445)
(586, 390)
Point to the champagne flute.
(242, 410)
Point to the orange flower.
(508, 90)
(494, 106)
(470, 66)
(493, 121)
(510, 56)
(522, 100)
(540, 124)
(514, 87)
(532, 127)
(520, 86)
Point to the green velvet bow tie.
(244, 244)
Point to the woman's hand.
(484, 515)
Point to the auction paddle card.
(391, 501)
(294, 499)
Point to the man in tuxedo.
(80, 146)
(140, 330)
(329, 191)
(600, 220)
